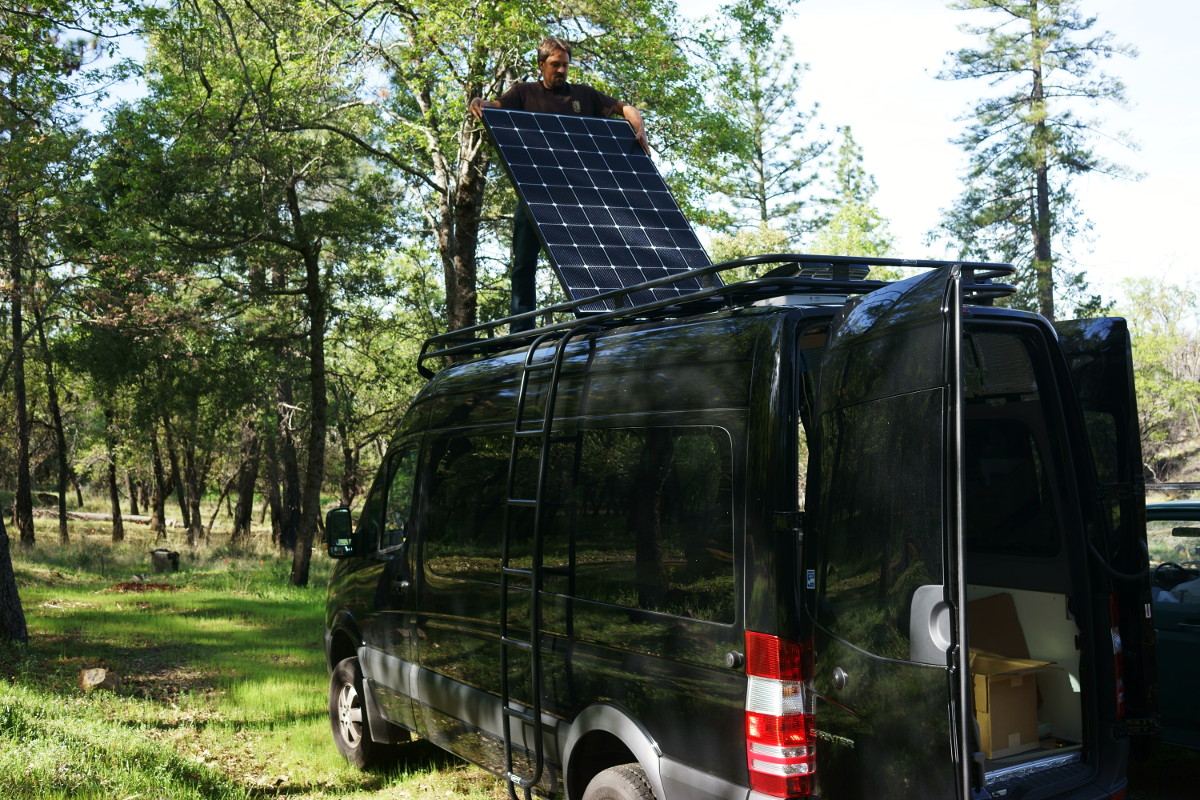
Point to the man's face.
(554, 69)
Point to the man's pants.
(526, 247)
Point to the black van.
(802, 535)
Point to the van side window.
(397, 512)
(652, 522)
(465, 519)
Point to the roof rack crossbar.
(465, 340)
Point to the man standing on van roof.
(552, 95)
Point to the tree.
(748, 242)
(1027, 143)
(852, 225)
(12, 616)
(1165, 325)
(439, 55)
(767, 176)
(38, 57)
(255, 202)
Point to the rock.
(99, 678)
(164, 560)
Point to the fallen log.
(88, 516)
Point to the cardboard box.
(1006, 703)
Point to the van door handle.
(400, 586)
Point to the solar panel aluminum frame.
(603, 212)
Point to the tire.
(348, 719)
(625, 782)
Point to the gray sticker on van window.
(812, 579)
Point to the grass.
(223, 682)
(223, 690)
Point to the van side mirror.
(339, 533)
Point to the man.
(552, 95)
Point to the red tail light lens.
(779, 721)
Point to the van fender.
(343, 626)
(614, 721)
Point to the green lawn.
(223, 683)
(223, 691)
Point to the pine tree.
(1026, 143)
(853, 226)
(769, 178)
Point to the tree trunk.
(246, 478)
(12, 616)
(289, 466)
(274, 501)
(177, 476)
(114, 488)
(349, 486)
(60, 436)
(133, 493)
(314, 474)
(1043, 262)
(23, 501)
(458, 229)
(191, 479)
(158, 500)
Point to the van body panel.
(854, 478)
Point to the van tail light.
(1118, 655)
(779, 719)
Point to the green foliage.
(1027, 142)
(1165, 322)
(766, 170)
(747, 243)
(852, 225)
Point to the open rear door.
(891, 676)
(1100, 358)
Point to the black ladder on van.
(543, 436)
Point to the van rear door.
(884, 557)
(1099, 355)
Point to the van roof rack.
(809, 276)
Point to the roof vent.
(834, 272)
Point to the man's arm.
(634, 117)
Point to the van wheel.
(626, 782)
(348, 718)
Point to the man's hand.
(478, 104)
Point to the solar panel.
(602, 210)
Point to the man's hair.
(549, 45)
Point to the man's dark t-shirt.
(570, 98)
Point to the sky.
(873, 66)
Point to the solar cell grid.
(602, 209)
